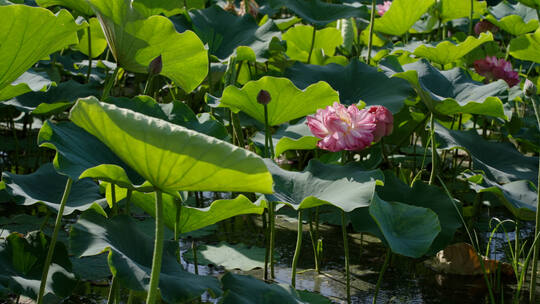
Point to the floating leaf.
(130, 257)
(525, 47)
(29, 81)
(321, 13)
(454, 9)
(135, 41)
(29, 34)
(237, 256)
(448, 52)
(176, 158)
(299, 41)
(288, 102)
(46, 186)
(401, 16)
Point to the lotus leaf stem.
(297, 249)
(346, 248)
(313, 235)
(110, 83)
(112, 291)
(381, 274)
(471, 18)
(195, 262)
(89, 32)
(272, 223)
(312, 44)
(532, 289)
(158, 251)
(128, 201)
(371, 26)
(433, 150)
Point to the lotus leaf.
(401, 16)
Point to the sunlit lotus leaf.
(135, 41)
(346, 187)
(454, 9)
(401, 16)
(320, 13)
(175, 158)
(81, 7)
(288, 102)
(29, 81)
(238, 256)
(354, 82)
(500, 161)
(531, 3)
(525, 47)
(224, 32)
(516, 19)
(519, 196)
(29, 34)
(299, 41)
(97, 39)
(290, 137)
(452, 91)
(447, 52)
(130, 257)
(46, 186)
(21, 261)
(165, 7)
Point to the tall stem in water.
(158, 251)
(371, 25)
(532, 289)
(297, 249)
(346, 248)
(312, 44)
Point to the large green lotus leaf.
(447, 52)
(355, 82)
(29, 34)
(56, 99)
(453, 91)
(346, 187)
(519, 196)
(242, 289)
(401, 16)
(237, 256)
(299, 41)
(80, 154)
(501, 162)
(516, 19)
(21, 261)
(409, 230)
(290, 137)
(224, 32)
(454, 9)
(130, 257)
(29, 81)
(81, 7)
(175, 158)
(531, 3)
(288, 102)
(525, 47)
(321, 13)
(46, 186)
(98, 42)
(165, 7)
(135, 41)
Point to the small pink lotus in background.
(384, 121)
(493, 69)
(485, 26)
(382, 8)
(349, 128)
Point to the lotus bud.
(529, 88)
(155, 66)
(264, 97)
(384, 121)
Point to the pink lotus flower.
(342, 128)
(493, 68)
(485, 26)
(382, 8)
(384, 121)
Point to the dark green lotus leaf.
(401, 16)
(501, 162)
(82, 7)
(21, 223)
(455, 9)
(130, 257)
(91, 268)
(519, 196)
(21, 261)
(79, 153)
(238, 256)
(354, 82)
(346, 187)
(56, 99)
(516, 19)
(299, 42)
(409, 230)
(290, 137)
(29, 81)
(242, 289)
(313, 297)
(525, 47)
(135, 41)
(224, 32)
(321, 13)
(176, 158)
(447, 51)
(453, 91)
(288, 102)
(29, 34)
(46, 186)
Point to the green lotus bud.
(155, 66)
(264, 97)
(529, 88)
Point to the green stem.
(89, 54)
(128, 201)
(110, 83)
(314, 237)
(158, 251)
(148, 85)
(272, 238)
(346, 248)
(113, 200)
(112, 290)
(471, 18)
(54, 237)
(195, 262)
(130, 297)
(371, 26)
(312, 44)
(433, 150)
(237, 128)
(177, 228)
(266, 132)
(266, 244)
(532, 289)
(297, 249)
(381, 274)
